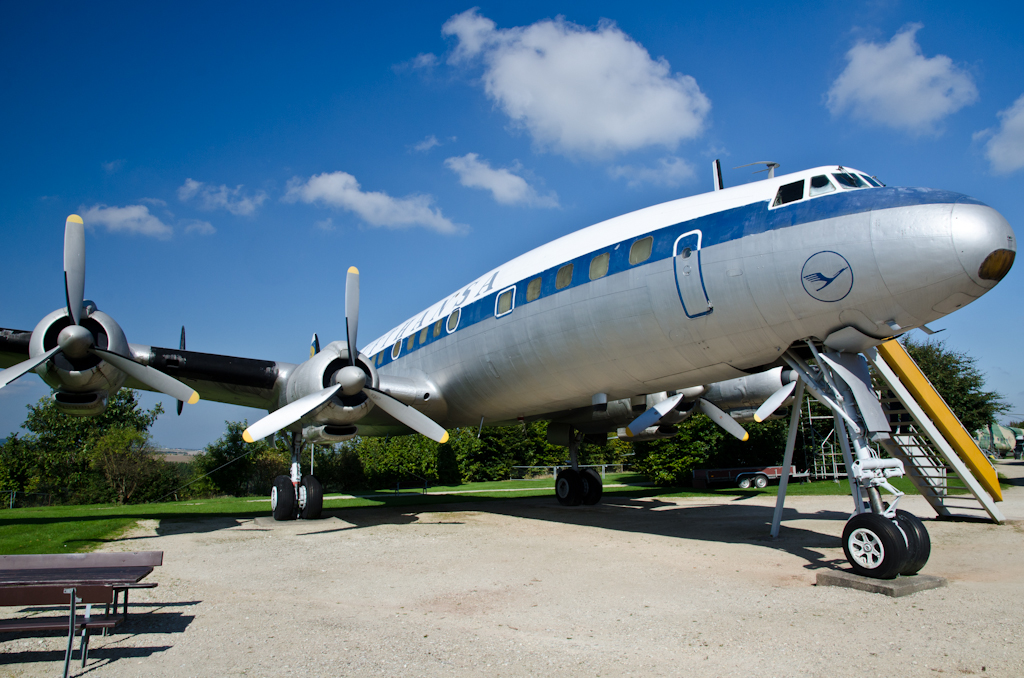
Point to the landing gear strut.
(574, 487)
(296, 495)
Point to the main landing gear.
(297, 495)
(573, 486)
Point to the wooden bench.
(70, 579)
(77, 560)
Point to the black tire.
(744, 483)
(568, 487)
(760, 482)
(314, 498)
(593, 487)
(919, 544)
(282, 499)
(874, 546)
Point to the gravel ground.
(642, 587)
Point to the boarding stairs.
(931, 463)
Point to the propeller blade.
(155, 379)
(181, 345)
(412, 418)
(352, 312)
(74, 266)
(288, 415)
(723, 419)
(23, 368)
(769, 406)
(653, 415)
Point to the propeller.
(776, 399)
(769, 167)
(76, 341)
(349, 380)
(181, 345)
(654, 414)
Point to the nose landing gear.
(297, 495)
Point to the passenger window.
(564, 277)
(533, 289)
(820, 185)
(396, 350)
(453, 320)
(410, 342)
(789, 193)
(640, 250)
(506, 300)
(599, 266)
(423, 335)
(849, 180)
(437, 328)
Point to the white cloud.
(214, 197)
(507, 187)
(129, 219)
(200, 227)
(340, 189)
(580, 91)
(325, 224)
(113, 166)
(427, 60)
(1005, 146)
(670, 171)
(894, 85)
(427, 144)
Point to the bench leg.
(71, 631)
(85, 645)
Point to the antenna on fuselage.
(770, 167)
(716, 169)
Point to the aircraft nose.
(984, 242)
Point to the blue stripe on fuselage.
(720, 227)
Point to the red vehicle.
(744, 477)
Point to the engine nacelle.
(652, 433)
(328, 434)
(82, 384)
(318, 372)
(748, 392)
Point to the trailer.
(744, 477)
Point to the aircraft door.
(689, 278)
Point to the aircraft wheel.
(314, 498)
(744, 483)
(568, 487)
(874, 546)
(282, 499)
(593, 488)
(761, 482)
(919, 544)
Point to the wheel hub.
(866, 548)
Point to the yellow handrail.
(938, 411)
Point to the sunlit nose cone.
(984, 243)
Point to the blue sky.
(232, 160)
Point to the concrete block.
(895, 588)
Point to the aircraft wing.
(226, 379)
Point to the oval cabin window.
(453, 320)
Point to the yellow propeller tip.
(74, 218)
(629, 432)
(445, 438)
(353, 269)
(757, 419)
(746, 437)
(247, 437)
(194, 399)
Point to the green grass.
(70, 529)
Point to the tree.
(239, 468)
(125, 458)
(671, 461)
(958, 380)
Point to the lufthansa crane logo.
(827, 276)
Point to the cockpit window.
(849, 180)
(871, 180)
(789, 193)
(820, 185)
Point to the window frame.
(457, 314)
(650, 250)
(778, 190)
(497, 300)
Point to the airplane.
(711, 303)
